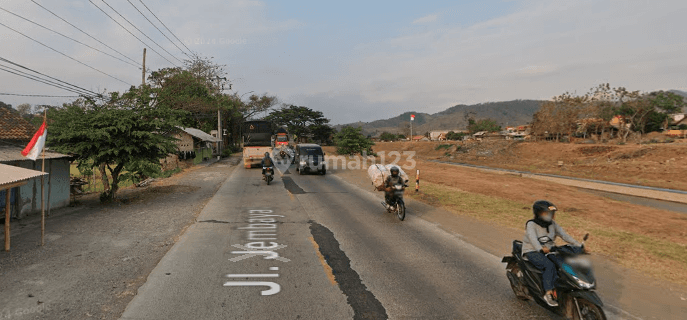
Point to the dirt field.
(654, 164)
(649, 240)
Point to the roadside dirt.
(630, 289)
(650, 240)
(653, 164)
(96, 256)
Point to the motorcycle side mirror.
(586, 236)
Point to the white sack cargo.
(400, 171)
(377, 174)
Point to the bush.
(442, 146)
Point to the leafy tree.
(350, 140)
(483, 125)
(386, 136)
(129, 131)
(302, 121)
(455, 135)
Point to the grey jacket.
(535, 237)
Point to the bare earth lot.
(653, 164)
(97, 256)
(649, 240)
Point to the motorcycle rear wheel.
(588, 311)
(517, 291)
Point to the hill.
(506, 113)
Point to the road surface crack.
(365, 305)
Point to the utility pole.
(143, 80)
(219, 121)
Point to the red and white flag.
(412, 117)
(34, 148)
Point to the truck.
(256, 140)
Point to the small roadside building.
(192, 144)
(12, 178)
(15, 134)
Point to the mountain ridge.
(506, 113)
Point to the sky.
(360, 60)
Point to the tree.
(386, 136)
(129, 131)
(455, 135)
(302, 121)
(350, 140)
(24, 109)
(483, 125)
(257, 104)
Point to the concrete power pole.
(143, 80)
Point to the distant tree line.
(632, 111)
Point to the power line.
(34, 78)
(37, 79)
(127, 30)
(77, 41)
(35, 95)
(158, 29)
(84, 32)
(45, 75)
(111, 76)
(139, 30)
(170, 31)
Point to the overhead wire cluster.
(28, 73)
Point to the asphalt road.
(315, 247)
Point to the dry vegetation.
(650, 240)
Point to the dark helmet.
(540, 206)
(394, 171)
(267, 154)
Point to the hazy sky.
(365, 60)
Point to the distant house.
(678, 119)
(15, 134)
(438, 135)
(420, 138)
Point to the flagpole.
(45, 118)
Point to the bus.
(256, 139)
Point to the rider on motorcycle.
(266, 162)
(392, 180)
(540, 236)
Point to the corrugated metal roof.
(12, 152)
(12, 174)
(200, 134)
(14, 127)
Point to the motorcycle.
(575, 285)
(268, 175)
(396, 204)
